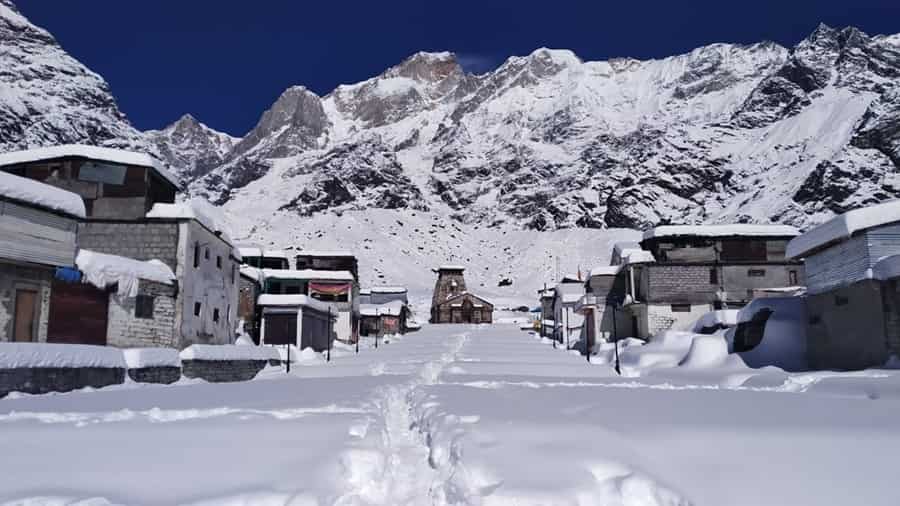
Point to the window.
(206, 253)
(233, 269)
(216, 315)
(756, 273)
(681, 308)
(840, 300)
(197, 307)
(792, 278)
(714, 276)
(218, 261)
(196, 254)
(741, 250)
(143, 306)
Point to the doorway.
(26, 316)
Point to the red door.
(78, 314)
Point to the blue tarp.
(68, 274)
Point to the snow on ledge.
(290, 300)
(734, 230)
(137, 358)
(23, 355)
(606, 270)
(307, 274)
(119, 156)
(200, 210)
(843, 227)
(393, 308)
(103, 270)
(325, 253)
(387, 289)
(228, 352)
(40, 194)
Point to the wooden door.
(26, 310)
(78, 314)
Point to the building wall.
(845, 262)
(248, 292)
(208, 284)
(678, 283)
(50, 239)
(738, 284)
(14, 276)
(448, 283)
(141, 241)
(125, 330)
(652, 319)
(849, 335)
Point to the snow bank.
(733, 230)
(40, 194)
(119, 156)
(198, 209)
(103, 270)
(14, 355)
(705, 352)
(228, 352)
(716, 320)
(843, 227)
(784, 339)
(137, 358)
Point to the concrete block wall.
(222, 371)
(679, 283)
(660, 317)
(125, 330)
(142, 241)
(41, 380)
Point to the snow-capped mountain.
(724, 133)
(47, 97)
(191, 147)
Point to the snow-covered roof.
(119, 156)
(103, 270)
(393, 308)
(196, 209)
(887, 268)
(636, 256)
(228, 352)
(843, 227)
(275, 253)
(40, 194)
(291, 300)
(250, 251)
(324, 253)
(251, 272)
(308, 274)
(732, 230)
(451, 268)
(622, 246)
(606, 270)
(387, 289)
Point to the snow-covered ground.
(463, 415)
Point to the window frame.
(141, 303)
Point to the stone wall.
(41, 380)
(678, 283)
(125, 330)
(160, 374)
(141, 241)
(221, 371)
(15, 277)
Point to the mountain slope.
(191, 147)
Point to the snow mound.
(40, 194)
(784, 339)
(103, 270)
(137, 358)
(229, 352)
(716, 320)
(843, 227)
(15, 355)
(735, 230)
(706, 352)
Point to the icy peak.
(559, 57)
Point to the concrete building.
(249, 290)
(600, 306)
(296, 320)
(385, 311)
(853, 302)
(452, 303)
(682, 272)
(261, 258)
(28, 261)
(336, 261)
(130, 212)
(337, 289)
(567, 321)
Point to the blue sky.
(226, 61)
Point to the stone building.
(130, 212)
(852, 298)
(600, 306)
(28, 261)
(385, 311)
(686, 271)
(451, 303)
(249, 290)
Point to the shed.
(296, 320)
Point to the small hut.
(451, 303)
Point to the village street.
(457, 415)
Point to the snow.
(465, 415)
(324, 253)
(637, 256)
(251, 272)
(734, 230)
(450, 267)
(887, 268)
(606, 270)
(717, 319)
(15, 355)
(250, 251)
(137, 358)
(273, 299)
(228, 352)
(103, 270)
(276, 254)
(40, 194)
(843, 227)
(387, 289)
(305, 274)
(705, 352)
(784, 341)
(393, 308)
(211, 217)
(93, 152)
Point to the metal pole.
(288, 358)
(358, 323)
(568, 319)
(330, 329)
(616, 341)
(378, 330)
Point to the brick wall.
(142, 241)
(125, 330)
(162, 374)
(679, 283)
(220, 371)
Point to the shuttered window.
(143, 306)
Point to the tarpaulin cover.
(329, 288)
